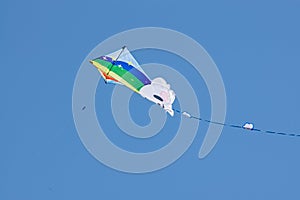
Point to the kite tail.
(246, 126)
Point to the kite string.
(188, 115)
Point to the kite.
(120, 67)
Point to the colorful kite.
(120, 67)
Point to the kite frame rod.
(112, 64)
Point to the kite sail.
(120, 67)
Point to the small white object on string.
(248, 126)
(186, 114)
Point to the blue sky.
(255, 45)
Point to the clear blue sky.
(255, 45)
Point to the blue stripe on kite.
(138, 74)
(105, 58)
